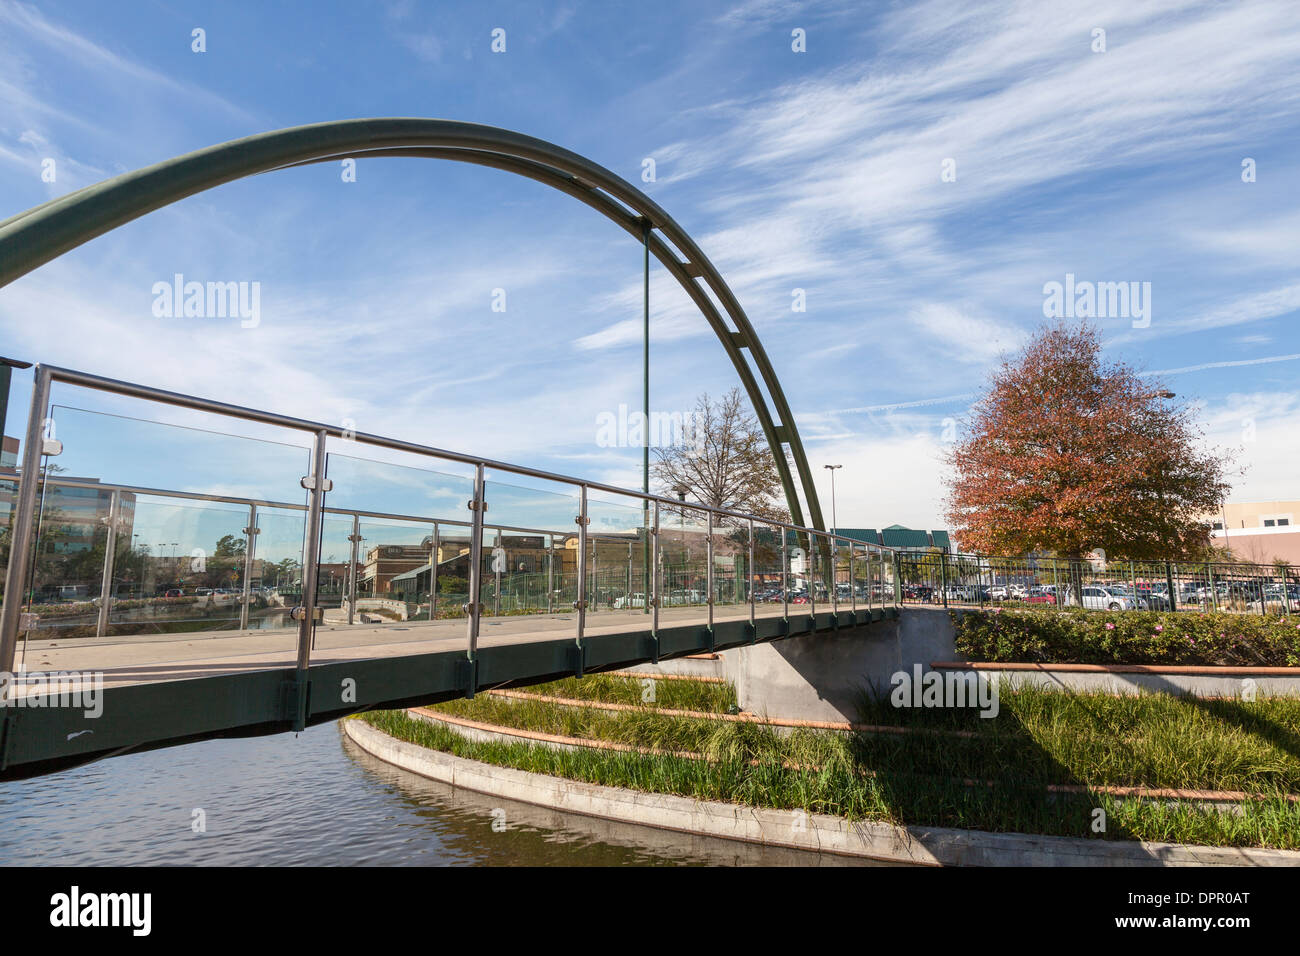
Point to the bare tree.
(724, 461)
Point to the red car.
(1042, 597)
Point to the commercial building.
(1260, 532)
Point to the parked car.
(999, 593)
(1105, 599)
(630, 600)
(1041, 595)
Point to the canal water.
(315, 799)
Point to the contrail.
(1200, 368)
(958, 398)
(898, 405)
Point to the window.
(1218, 526)
(1269, 522)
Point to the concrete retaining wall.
(822, 676)
(795, 829)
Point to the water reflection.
(315, 799)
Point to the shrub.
(1079, 636)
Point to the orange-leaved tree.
(1067, 452)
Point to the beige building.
(1259, 531)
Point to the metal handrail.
(34, 449)
(180, 399)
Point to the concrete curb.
(793, 829)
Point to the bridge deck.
(144, 659)
(165, 689)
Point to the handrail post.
(20, 539)
(708, 573)
(866, 552)
(477, 505)
(580, 605)
(853, 585)
(499, 538)
(250, 547)
(834, 561)
(785, 577)
(749, 569)
(652, 598)
(943, 578)
(897, 567)
(436, 551)
(550, 573)
(106, 576)
(595, 578)
(315, 483)
(810, 571)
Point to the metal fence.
(984, 580)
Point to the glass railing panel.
(731, 571)
(823, 578)
(683, 565)
(618, 561)
(178, 566)
(841, 580)
(395, 571)
(175, 555)
(407, 485)
(769, 596)
(276, 582)
(65, 575)
(413, 525)
(522, 574)
(8, 491)
(333, 579)
(530, 549)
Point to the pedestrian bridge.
(218, 570)
(147, 613)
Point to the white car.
(1103, 599)
(998, 593)
(630, 600)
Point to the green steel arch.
(32, 238)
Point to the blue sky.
(819, 170)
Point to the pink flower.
(1110, 626)
(1159, 627)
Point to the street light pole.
(645, 423)
(831, 469)
(1169, 574)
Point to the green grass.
(667, 694)
(1039, 738)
